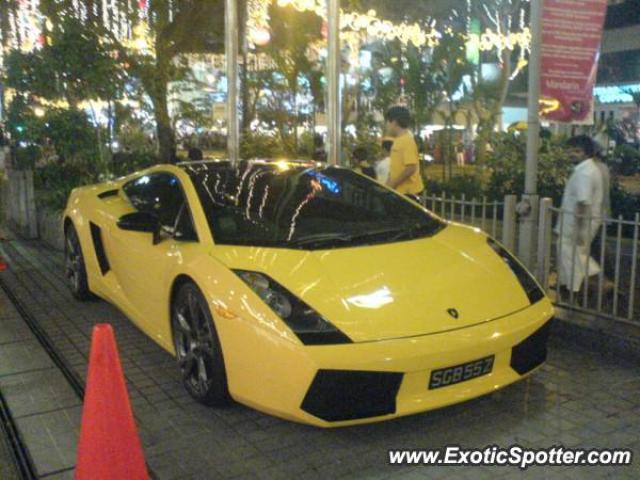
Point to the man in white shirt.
(582, 213)
(383, 166)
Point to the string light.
(261, 37)
(29, 23)
(257, 20)
(141, 40)
(356, 29)
(490, 40)
(375, 28)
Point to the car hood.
(441, 283)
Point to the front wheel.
(198, 350)
(75, 269)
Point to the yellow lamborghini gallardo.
(306, 291)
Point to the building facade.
(619, 67)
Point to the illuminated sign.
(615, 93)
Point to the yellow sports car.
(306, 291)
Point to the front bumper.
(372, 381)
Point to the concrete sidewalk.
(44, 408)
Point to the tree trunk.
(110, 122)
(296, 117)
(505, 75)
(158, 94)
(450, 149)
(481, 146)
(166, 135)
(493, 112)
(443, 153)
(246, 119)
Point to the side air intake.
(98, 246)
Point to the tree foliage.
(292, 34)
(74, 64)
(507, 166)
(174, 28)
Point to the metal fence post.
(509, 222)
(527, 230)
(544, 242)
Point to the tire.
(75, 269)
(198, 350)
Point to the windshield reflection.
(303, 206)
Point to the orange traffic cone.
(109, 447)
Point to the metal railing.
(600, 278)
(495, 218)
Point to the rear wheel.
(75, 269)
(198, 349)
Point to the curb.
(607, 336)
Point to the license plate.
(461, 373)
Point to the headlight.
(305, 322)
(528, 283)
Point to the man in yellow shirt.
(404, 172)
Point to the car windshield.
(291, 205)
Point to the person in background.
(460, 154)
(195, 154)
(404, 167)
(319, 152)
(361, 164)
(382, 166)
(437, 153)
(583, 206)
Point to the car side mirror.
(141, 222)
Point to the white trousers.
(574, 261)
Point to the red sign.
(570, 44)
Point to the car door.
(142, 266)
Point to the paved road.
(578, 399)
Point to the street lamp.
(231, 53)
(333, 82)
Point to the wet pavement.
(578, 399)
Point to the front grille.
(531, 352)
(337, 395)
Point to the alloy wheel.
(72, 262)
(194, 343)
